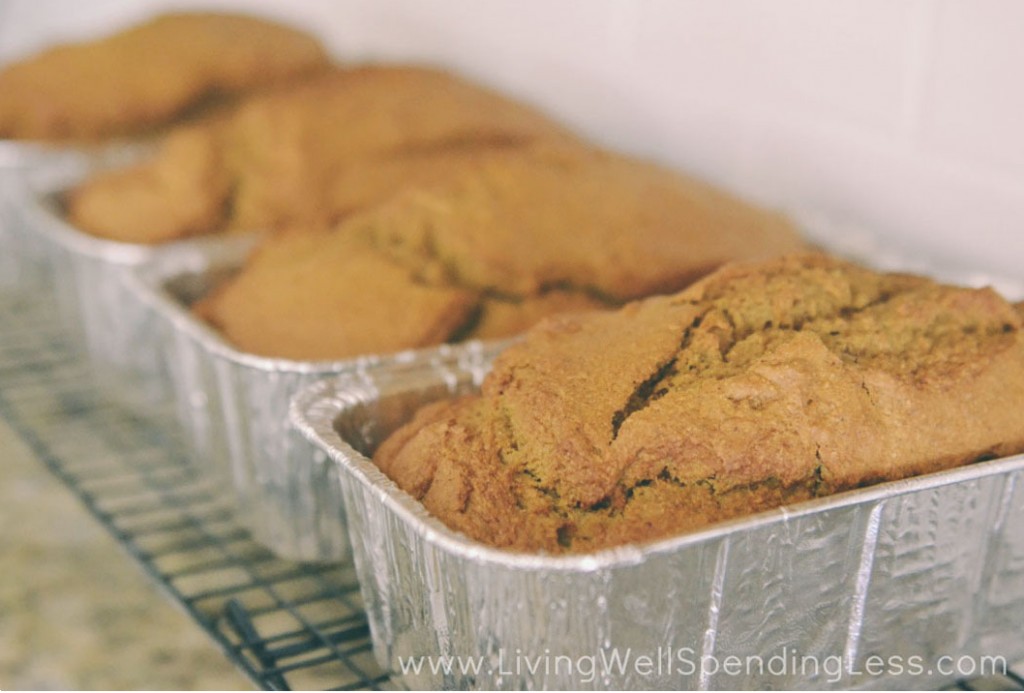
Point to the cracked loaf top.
(486, 245)
(762, 384)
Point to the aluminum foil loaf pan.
(23, 258)
(23, 262)
(87, 275)
(234, 407)
(810, 596)
(30, 153)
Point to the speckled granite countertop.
(75, 611)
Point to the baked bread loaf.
(503, 239)
(181, 193)
(761, 385)
(148, 75)
(306, 153)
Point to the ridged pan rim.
(149, 282)
(43, 181)
(316, 408)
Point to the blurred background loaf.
(491, 243)
(474, 214)
(902, 115)
(148, 75)
(310, 151)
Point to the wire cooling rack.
(285, 625)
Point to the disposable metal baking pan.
(87, 275)
(22, 262)
(890, 586)
(234, 407)
(20, 154)
(23, 258)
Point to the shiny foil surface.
(924, 568)
(22, 256)
(234, 406)
(43, 252)
(910, 571)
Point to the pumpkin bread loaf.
(761, 385)
(503, 239)
(148, 75)
(306, 153)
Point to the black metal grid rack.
(285, 625)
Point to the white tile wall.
(907, 115)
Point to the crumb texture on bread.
(501, 240)
(763, 384)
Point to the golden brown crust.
(556, 217)
(762, 384)
(501, 317)
(148, 75)
(183, 193)
(353, 136)
(515, 235)
(300, 298)
(318, 150)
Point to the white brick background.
(904, 115)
